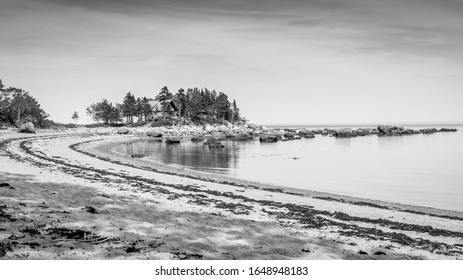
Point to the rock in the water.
(428, 130)
(385, 129)
(344, 132)
(173, 140)
(27, 128)
(197, 139)
(269, 138)
(243, 137)
(211, 141)
(289, 135)
(138, 155)
(448, 130)
(154, 133)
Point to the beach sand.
(63, 195)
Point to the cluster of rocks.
(381, 130)
(387, 130)
(245, 132)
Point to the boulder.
(428, 130)
(385, 129)
(289, 135)
(345, 132)
(309, 135)
(208, 128)
(230, 135)
(173, 140)
(27, 128)
(269, 138)
(154, 133)
(138, 155)
(197, 139)
(123, 131)
(448, 130)
(211, 141)
(243, 137)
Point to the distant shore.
(65, 186)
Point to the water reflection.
(192, 155)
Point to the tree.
(18, 106)
(105, 111)
(223, 106)
(162, 97)
(128, 107)
(181, 101)
(145, 107)
(235, 112)
(75, 116)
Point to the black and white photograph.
(255, 130)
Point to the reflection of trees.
(192, 155)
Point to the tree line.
(193, 104)
(17, 106)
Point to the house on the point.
(162, 109)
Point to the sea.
(421, 170)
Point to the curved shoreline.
(103, 151)
(270, 223)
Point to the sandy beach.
(64, 195)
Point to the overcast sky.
(285, 62)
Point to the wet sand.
(64, 196)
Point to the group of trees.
(18, 106)
(196, 103)
(193, 104)
(104, 111)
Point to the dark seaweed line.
(304, 214)
(368, 204)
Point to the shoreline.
(101, 150)
(207, 219)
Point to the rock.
(344, 132)
(197, 139)
(428, 130)
(91, 209)
(448, 130)
(230, 135)
(138, 155)
(173, 140)
(208, 128)
(211, 141)
(154, 133)
(123, 131)
(385, 129)
(218, 135)
(289, 135)
(27, 128)
(243, 137)
(269, 138)
(4, 185)
(309, 136)
(360, 252)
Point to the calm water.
(425, 170)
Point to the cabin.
(162, 109)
